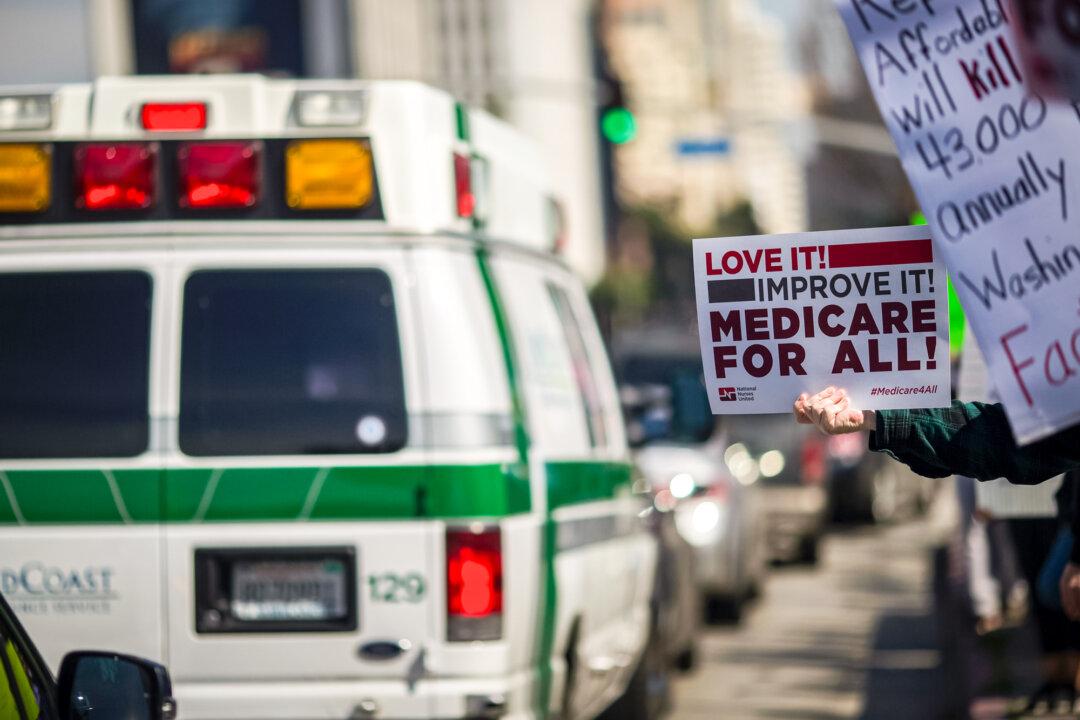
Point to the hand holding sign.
(831, 411)
(784, 314)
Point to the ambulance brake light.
(115, 176)
(26, 112)
(25, 177)
(474, 584)
(173, 116)
(219, 174)
(328, 174)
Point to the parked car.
(676, 600)
(680, 453)
(663, 396)
(790, 463)
(720, 517)
(93, 685)
(872, 487)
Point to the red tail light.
(173, 116)
(813, 461)
(474, 588)
(719, 489)
(466, 199)
(219, 174)
(115, 176)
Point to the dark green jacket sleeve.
(972, 439)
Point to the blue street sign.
(703, 146)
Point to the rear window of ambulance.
(290, 362)
(74, 364)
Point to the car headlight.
(682, 485)
(705, 518)
(701, 523)
(742, 464)
(771, 463)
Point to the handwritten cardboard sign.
(997, 173)
(866, 310)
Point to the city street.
(518, 359)
(852, 637)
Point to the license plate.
(289, 590)
(279, 589)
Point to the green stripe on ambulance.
(293, 494)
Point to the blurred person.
(1010, 531)
(1069, 583)
(1035, 533)
(1049, 47)
(996, 589)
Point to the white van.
(296, 398)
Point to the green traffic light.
(618, 125)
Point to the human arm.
(972, 439)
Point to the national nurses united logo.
(728, 394)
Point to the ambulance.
(297, 398)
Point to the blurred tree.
(735, 222)
(650, 279)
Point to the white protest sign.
(865, 310)
(997, 174)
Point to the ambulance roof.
(414, 132)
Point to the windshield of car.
(282, 362)
(671, 387)
(74, 364)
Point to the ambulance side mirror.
(97, 685)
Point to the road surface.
(853, 637)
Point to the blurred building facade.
(722, 114)
(528, 61)
(856, 179)
(56, 41)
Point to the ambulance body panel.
(311, 564)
